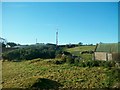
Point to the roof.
(108, 47)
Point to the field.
(76, 51)
(44, 74)
(80, 48)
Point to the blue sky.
(87, 22)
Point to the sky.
(86, 22)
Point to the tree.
(31, 52)
(3, 45)
(11, 44)
(80, 43)
(2, 42)
(100, 43)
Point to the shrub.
(76, 60)
(96, 63)
(90, 63)
(58, 62)
(12, 55)
(63, 58)
(58, 56)
(114, 76)
(109, 64)
(58, 51)
(85, 63)
(69, 59)
(31, 52)
(82, 63)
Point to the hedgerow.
(31, 52)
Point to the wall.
(110, 56)
(100, 56)
(103, 56)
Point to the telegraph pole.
(36, 40)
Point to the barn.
(107, 51)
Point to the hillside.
(39, 73)
(51, 74)
(77, 50)
(80, 49)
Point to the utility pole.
(36, 40)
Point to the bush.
(77, 60)
(58, 56)
(114, 76)
(12, 55)
(96, 63)
(31, 52)
(63, 58)
(82, 64)
(58, 53)
(58, 62)
(87, 63)
(109, 64)
(69, 59)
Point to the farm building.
(107, 51)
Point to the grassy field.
(76, 51)
(44, 74)
(80, 48)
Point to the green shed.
(107, 51)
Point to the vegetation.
(80, 43)
(96, 63)
(31, 52)
(41, 73)
(79, 49)
(12, 44)
(48, 67)
(3, 45)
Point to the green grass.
(81, 48)
(77, 50)
(40, 73)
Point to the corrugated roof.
(108, 47)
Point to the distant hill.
(78, 49)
